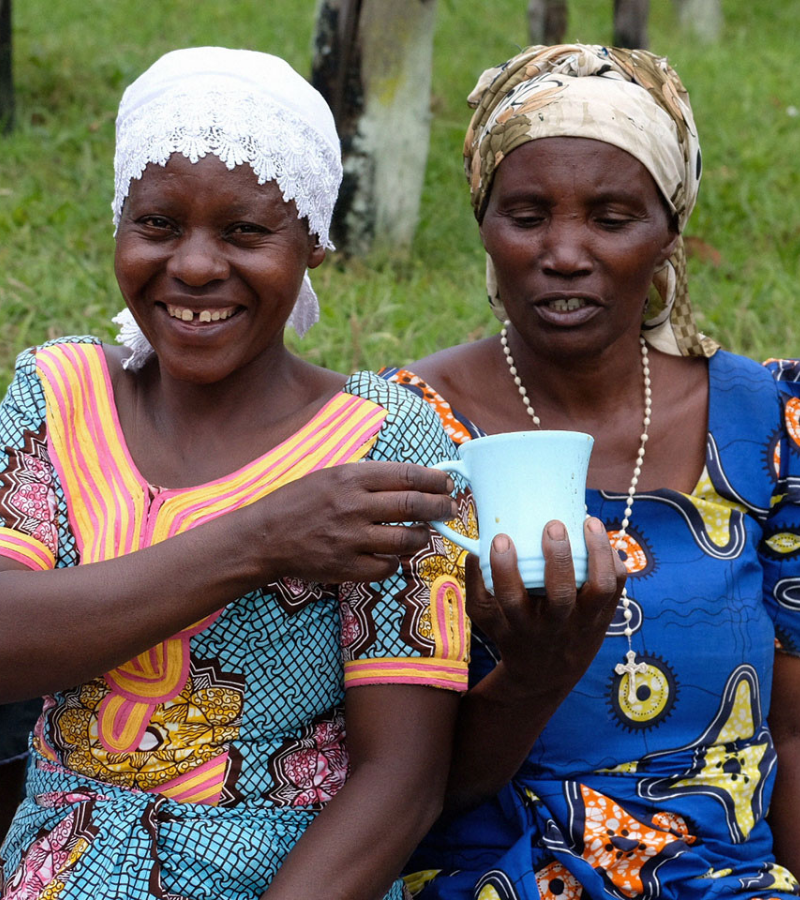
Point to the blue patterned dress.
(191, 771)
(662, 792)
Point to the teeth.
(205, 315)
(566, 305)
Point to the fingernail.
(450, 485)
(556, 531)
(596, 526)
(501, 543)
(453, 509)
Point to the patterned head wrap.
(628, 98)
(243, 107)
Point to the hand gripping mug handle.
(467, 543)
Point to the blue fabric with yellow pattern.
(663, 794)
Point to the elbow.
(429, 814)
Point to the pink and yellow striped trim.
(25, 549)
(202, 785)
(449, 619)
(422, 670)
(343, 431)
(106, 500)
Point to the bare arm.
(784, 722)
(61, 627)
(546, 644)
(399, 738)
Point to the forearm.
(499, 720)
(59, 628)
(784, 806)
(358, 844)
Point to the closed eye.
(526, 220)
(614, 222)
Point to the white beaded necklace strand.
(630, 667)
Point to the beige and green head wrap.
(628, 98)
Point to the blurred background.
(72, 59)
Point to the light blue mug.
(520, 481)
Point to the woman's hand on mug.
(547, 638)
(334, 525)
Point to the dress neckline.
(242, 472)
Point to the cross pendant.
(630, 668)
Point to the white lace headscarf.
(243, 107)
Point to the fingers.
(559, 573)
(482, 607)
(394, 476)
(395, 540)
(509, 591)
(607, 573)
(410, 506)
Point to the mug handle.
(467, 543)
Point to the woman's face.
(576, 229)
(210, 262)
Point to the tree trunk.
(372, 63)
(630, 23)
(6, 79)
(547, 21)
(703, 17)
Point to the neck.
(581, 388)
(264, 391)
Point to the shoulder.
(25, 368)
(741, 385)
(27, 360)
(455, 383)
(748, 429)
(411, 431)
(457, 426)
(26, 388)
(399, 403)
(454, 365)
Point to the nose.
(198, 259)
(565, 248)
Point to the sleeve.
(457, 426)
(780, 545)
(28, 504)
(411, 628)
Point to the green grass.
(73, 59)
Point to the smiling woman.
(190, 225)
(191, 572)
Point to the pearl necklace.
(630, 667)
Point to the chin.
(195, 368)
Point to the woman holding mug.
(193, 572)
(655, 775)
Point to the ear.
(315, 256)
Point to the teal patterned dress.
(191, 771)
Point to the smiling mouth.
(202, 316)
